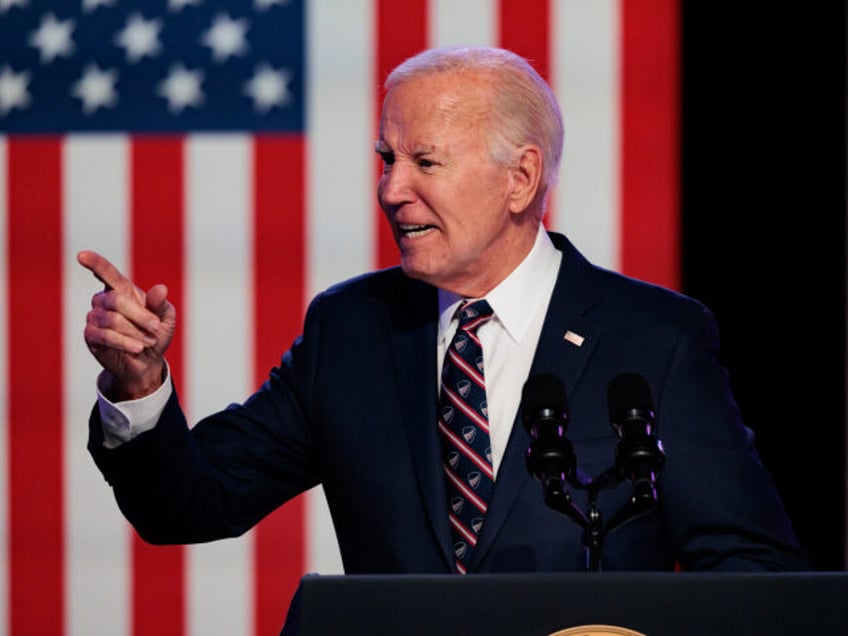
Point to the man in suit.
(470, 141)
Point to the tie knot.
(472, 315)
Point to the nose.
(394, 189)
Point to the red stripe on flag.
(650, 123)
(279, 301)
(524, 28)
(157, 226)
(401, 33)
(36, 561)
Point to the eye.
(387, 156)
(425, 163)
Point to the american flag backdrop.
(225, 148)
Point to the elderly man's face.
(443, 195)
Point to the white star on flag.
(13, 90)
(182, 88)
(178, 5)
(140, 37)
(90, 5)
(268, 88)
(53, 38)
(263, 5)
(5, 5)
(96, 89)
(226, 37)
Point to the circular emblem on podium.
(597, 630)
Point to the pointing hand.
(127, 330)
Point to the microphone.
(544, 413)
(639, 454)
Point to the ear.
(525, 178)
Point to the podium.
(661, 604)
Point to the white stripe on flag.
(341, 196)
(585, 74)
(467, 23)
(340, 188)
(219, 350)
(4, 397)
(95, 187)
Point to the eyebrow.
(380, 146)
(425, 150)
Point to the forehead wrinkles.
(446, 104)
(465, 113)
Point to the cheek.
(485, 188)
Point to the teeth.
(411, 230)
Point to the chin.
(414, 270)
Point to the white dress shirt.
(509, 341)
(509, 338)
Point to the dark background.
(764, 233)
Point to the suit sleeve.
(722, 508)
(177, 484)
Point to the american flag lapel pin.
(574, 338)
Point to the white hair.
(524, 109)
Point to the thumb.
(157, 301)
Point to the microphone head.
(544, 413)
(543, 391)
(628, 392)
(639, 455)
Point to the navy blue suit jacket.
(353, 407)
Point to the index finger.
(102, 269)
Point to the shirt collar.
(516, 296)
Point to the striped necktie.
(464, 427)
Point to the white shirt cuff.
(122, 421)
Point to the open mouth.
(412, 230)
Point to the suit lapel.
(414, 353)
(565, 346)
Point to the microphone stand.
(643, 500)
(639, 455)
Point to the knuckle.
(97, 318)
(92, 336)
